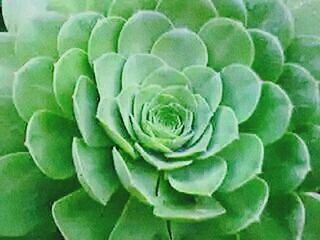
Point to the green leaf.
(67, 71)
(228, 42)
(269, 58)
(26, 195)
(138, 178)
(34, 78)
(172, 205)
(272, 16)
(109, 116)
(241, 90)
(235, 9)
(311, 135)
(187, 13)
(85, 104)
(108, 69)
(146, 226)
(312, 205)
(207, 83)
(200, 178)
(141, 31)
(15, 12)
(104, 37)
(286, 163)
(125, 9)
(306, 16)
(305, 50)
(172, 45)
(94, 167)
(283, 218)
(138, 67)
(159, 161)
(272, 115)
(75, 33)
(80, 218)
(244, 159)
(7, 44)
(38, 36)
(49, 140)
(303, 91)
(225, 131)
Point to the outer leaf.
(94, 167)
(75, 33)
(244, 159)
(312, 205)
(146, 226)
(235, 9)
(286, 164)
(283, 218)
(200, 178)
(67, 71)
(49, 140)
(80, 218)
(139, 179)
(272, 115)
(228, 42)
(23, 204)
(171, 47)
(85, 104)
(34, 78)
(241, 90)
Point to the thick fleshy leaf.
(187, 13)
(80, 218)
(75, 33)
(305, 50)
(104, 37)
(159, 161)
(138, 67)
(138, 178)
(23, 204)
(306, 16)
(200, 178)
(34, 78)
(241, 90)
(207, 83)
(171, 47)
(311, 136)
(145, 226)
(272, 115)
(272, 16)
(225, 131)
(311, 229)
(15, 12)
(94, 167)
(38, 36)
(7, 44)
(49, 141)
(126, 9)
(141, 31)
(67, 71)
(85, 104)
(12, 127)
(175, 206)
(228, 42)
(286, 164)
(303, 91)
(283, 218)
(244, 159)
(109, 116)
(269, 57)
(235, 9)
(108, 69)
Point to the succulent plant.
(160, 119)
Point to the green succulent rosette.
(160, 119)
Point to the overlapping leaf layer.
(160, 119)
